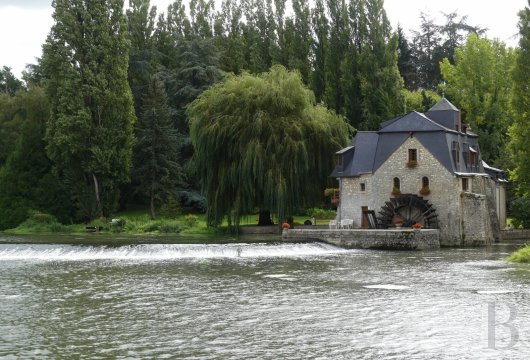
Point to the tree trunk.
(264, 218)
(152, 206)
(96, 192)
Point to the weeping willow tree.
(261, 143)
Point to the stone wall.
(445, 189)
(475, 220)
(369, 238)
(519, 236)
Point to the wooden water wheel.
(410, 209)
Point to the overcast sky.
(24, 24)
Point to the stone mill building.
(426, 169)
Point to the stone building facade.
(421, 169)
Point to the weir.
(387, 239)
(160, 252)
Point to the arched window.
(397, 187)
(425, 186)
(396, 183)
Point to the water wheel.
(409, 208)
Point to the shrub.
(522, 255)
(192, 201)
(38, 217)
(191, 220)
(520, 210)
(171, 208)
(151, 226)
(318, 213)
(59, 228)
(100, 224)
(169, 227)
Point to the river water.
(260, 301)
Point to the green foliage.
(479, 83)
(520, 130)
(102, 224)
(85, 61)
(171, 207)
(169, 227)
(38, 217)
(10, 124)
(156, 170)
(261, 142)
(434, 42)
(419, 100)
(9, 84)
(39, 222)
(26, 180)
(520, 210)
(162, 226)
(192, 200)
(191, 220)
(321, 214)
(520, 256)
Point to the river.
(260, 301)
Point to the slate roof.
(443, 105)
(413, 121)
(370, 149)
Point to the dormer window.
(473, 157)
(339, 160)
(456, 152)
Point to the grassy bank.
(520, 256)
(133, 223)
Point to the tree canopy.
(261, 142)
(479, 83)
(520, 130)
(90, 131)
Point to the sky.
(24, 24)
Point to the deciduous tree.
(520, 130)
(90, 131)
(261, 142)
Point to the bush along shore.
(139, 223)
(520, 256)
(42, 223)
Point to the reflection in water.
(257, 301)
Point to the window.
(413, 158)
(465, 184)
(473, 157)
(456, 152)
(363, 187)
(425, 186)
(339, 160)
(413, 155)
(396, 190)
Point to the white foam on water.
(485, 292)
(387, 287)
(275, 276)
(160, 252)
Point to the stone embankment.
(395, 239)
(515, 236)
